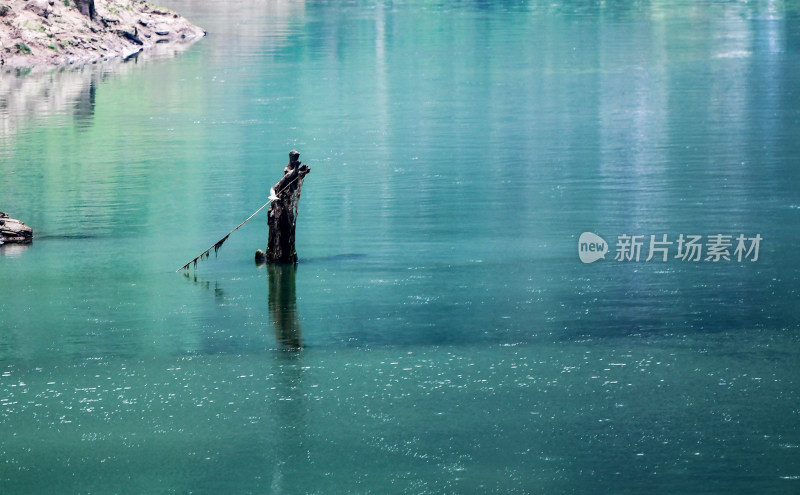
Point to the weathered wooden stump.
(14, 231)
(282, 215)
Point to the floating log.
(14, 231)
(282, 216)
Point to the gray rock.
(14, 231)
(38, 7)
(86, 7)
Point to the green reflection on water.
(444, 335)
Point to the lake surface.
(441, 333)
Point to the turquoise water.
(440, 333)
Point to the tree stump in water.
(282, 215)
(14, 231)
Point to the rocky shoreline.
(14, 231)
(36, 33)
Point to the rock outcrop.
(68, 32)
(14, 231)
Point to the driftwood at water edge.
(14, 231)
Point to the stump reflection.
(283, 306)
